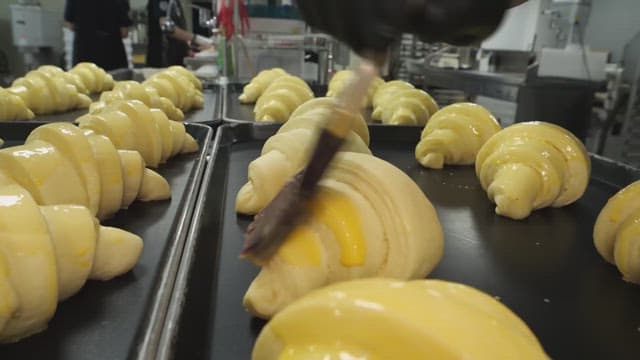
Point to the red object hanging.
(226, 14)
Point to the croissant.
(281, 98)
(46, 255)
(368, 219)
(254, 89)
(46, 94)
(177, 88)
(384, 93)
(133, 90)
(63, 164)
(187, 74)
(408, 107)
(287, 152)
(13, 108)
(532, 165)
(94, 78)
(617, 232)
(313, 114)
(131, 125)
(454, 135)
(342, 78)
(68, 77)
(387, 319)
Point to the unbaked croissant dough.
(131, 125)
(281, 98)
(407, 107)
(343, 77)
(63, 164)
(94, 78)
(69, 77)
(384, 93)
(617, 232)
(46, 94)
(367, 219)
(187, 74)
(387, 319)
(454, 135)
(288, 151)
(533, 165)
(13, 108)
(46, 255)
(176, 87)
(133, 90)
(254, 89)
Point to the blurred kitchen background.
(572, 62)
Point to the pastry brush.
(272, 225)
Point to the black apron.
(162, 49)
(102, 48)
(97, 26)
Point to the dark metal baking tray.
(235, 112)
(122, 318)
(545, 268)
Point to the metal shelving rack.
(631, 129)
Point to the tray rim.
(153, 325)
(165, 348)
(225, 136)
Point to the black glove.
(372, 25)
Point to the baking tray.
(545, 268)
(210, 114)
(235, 112)
(122, 318)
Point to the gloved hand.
(372, 25)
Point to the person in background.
(168, 41)
(99, 27)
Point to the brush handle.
(338, 126)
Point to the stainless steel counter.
(502, 86)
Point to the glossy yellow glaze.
(336, 212)
(616, 233)
(377, 319)
(454, 135)
(553, 164)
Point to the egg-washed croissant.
(617, 232)
(384, 93)
(454, 135)
(12, 107)
(68, 77)
(408, 107)
(63, 164)
(46, 94)
(313, 114)
(343, 77)
(254, 89)
(387, 319)
(133, 90)
(46, 255)
(176, 87)
(131, 125)
(367, 219)
(281, 99)
(287, 152)
(94, 78)
(533, 165)
(187, 74)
